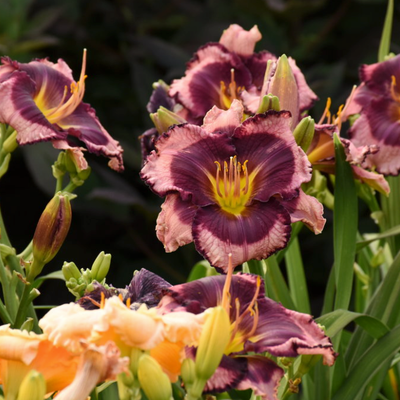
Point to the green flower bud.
(304, 133)
(59, 166)
(165, 118)
(101, 266)
(70, 270)
(213, 341)
(33, 386)
(153, 380)
(10, 144)
(188, 372)
(51, 231)
(269, 102)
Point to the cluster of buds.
(82, 281)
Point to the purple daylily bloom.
(258, 325)
(377, 100)
(42, 102)
(221, 72)
(321, 153)
(231, 187)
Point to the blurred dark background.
(132, 44)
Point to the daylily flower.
(258, 324)
(221, 72)
(21, 352)
(377, 100)
(229, 185)
(42, 102)
(321, 152)
(163, 336)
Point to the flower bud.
(101, 266)
(213, 342)
(70, 271)
(284, 86)
(10, 144)
(165, 118)
(33, 386)
(304, 133)
(188, 372)
(51, 231)
(153, 380)
(269, 102)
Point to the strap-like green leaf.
(384, 46)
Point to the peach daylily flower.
(69, 324)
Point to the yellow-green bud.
(304, 133)
(101, 266)
(153, 380)
(213, 342)
(164, 118)
(33, 386)
(188, 372)
(70, 271)
(269, 102)
(51, 231)
(10, 144)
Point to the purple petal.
(257, 65)
(90, 298)
(198, 295)
(263, 376)
(259, 231)
(307, 209)
(307, 97)
(240, 41)
(145, 287)
(174, 223)
(278, 164)
(378, 76)
(230, 372)
(38, 86)
(160, 98)
(287, 333)
(19, 110)
(84, 125)
(184, 161)
(147, 140)
(200, 89)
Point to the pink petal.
(217, 120)
(307, 209)
(174, 223)
(376, 181)
(240, 41)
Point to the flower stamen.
(233, 194)
(395, 95)
(66, 108)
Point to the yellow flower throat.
(232, 186)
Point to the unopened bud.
(304, 133)
(213, 342)
(269, 102)
(33, 386)
(153, 380)
(284, 86)
(70, 271)
(165, 118)
(10, 144)
(51, 231)
(188, 372)
(101, 266)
